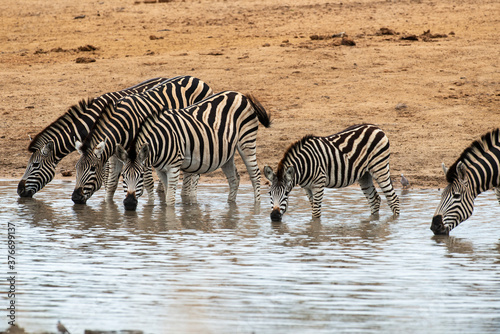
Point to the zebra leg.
(149, 184)
(172, 178)
(497, 192)
(309, 195)
(195, 178)
(317, 192)
(383, 178)
(190, 185)
(366, 183)
(233, 178)
(249, 156)
(160, 189)
(114, 169)
(162, 175)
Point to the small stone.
(401, 106)
(84, 60)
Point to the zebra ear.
(48, 148)
(290, 171)
(100, 148)
(78, 146)
(143, 153)
(121, 154)
(462, 172)
(445, 169)
(268, 173)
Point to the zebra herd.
(179, 124)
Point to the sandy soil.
(425, 71)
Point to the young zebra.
(475, 171)
(359, 153)
(119, 124)
(198, 139)
(57, 140)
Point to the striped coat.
(199, 139)
(475, 171)
(57, 140)
(119, 124)
(359, 153)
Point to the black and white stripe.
(359, 153)
(119, 124)
(57, 140)
(199, 139)
(475, 171)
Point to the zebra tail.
(263, 116)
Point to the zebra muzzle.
(276, 215)
(21, 190)
(78, 197)
(130, 202)
(437, 226)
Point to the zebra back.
(209, 130)
(343, 157)
(119, 122)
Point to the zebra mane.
(293, 147)
(104, 116)
(73, 112)
(479, 146)
(132, 152)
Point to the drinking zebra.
(119, 124)
(475, 171)
(359, 153)
(57, 140)
(198, 139)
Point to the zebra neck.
(75, 123)
(63, 145)
(483, 186)
(482, 175)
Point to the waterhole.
(212, 267)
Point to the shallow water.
(211, 267)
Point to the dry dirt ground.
(425, 71)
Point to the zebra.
(198, 139)
(475, 171)
(119, 123)
(359, 153)
(57, 140)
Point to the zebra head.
(281, 185)
(40, 171)
(457, 203)
(134, 167)
(89, 172)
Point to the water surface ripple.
(212, 267)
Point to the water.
(212, 267)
